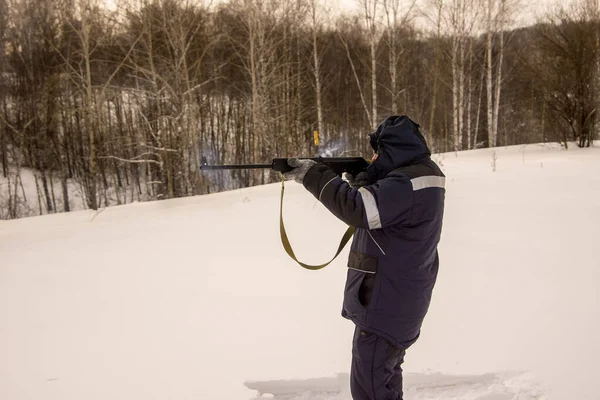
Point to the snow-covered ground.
(195, 298)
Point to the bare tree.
(455, 21)
(29, 117)
(89, 103)
(371, 20)
(492, 135)
(14, 202)
(501, 26)
(257, 50)
(594, 6)
(396, 18)
(569, 40)
(458, 19)
(81, 18)
(498, 17)
(438, 6)
(185, 28)
(315, 26)
(3, 85)
(345, 28)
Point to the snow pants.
(376, 372)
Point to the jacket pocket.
(362, 262)
(367, 266)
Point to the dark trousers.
(376, 372)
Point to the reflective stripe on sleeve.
(370, 208)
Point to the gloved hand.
(357, 181)
(301, 167)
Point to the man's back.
(394, 299)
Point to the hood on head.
(398, 142)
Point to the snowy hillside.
(195, 298)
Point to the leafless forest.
(118, 104)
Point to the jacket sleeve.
(385, 203)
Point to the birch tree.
(256, 42)
(594, 6)
(458, 56)
(457, 21)
(315, 27)
(464, 14)
(395, 17)
(438, 6)
(498, 17)
(346, 31)
(185, 29)
(371, 19)
(3, 85)
(292, 44)
(80, 17)
(257, 65)
(89, 103)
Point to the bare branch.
(133, 161)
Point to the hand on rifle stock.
(301, 167)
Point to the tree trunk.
(477, 119)
(374, 71)
(317, 73)
(470, 97)
(498, 84)
(90, 115)
(393, 73)
(39, 194)
(370, 14)
(490, 109)
(436, 56)
(461, 73)
(65, 192)
(3, 156)
(455, 93)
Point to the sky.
(528, 12)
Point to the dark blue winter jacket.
(393, 262)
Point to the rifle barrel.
(235, 166)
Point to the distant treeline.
(124, 103)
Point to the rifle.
(339, 165)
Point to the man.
(397, 208)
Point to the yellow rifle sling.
(286, 243)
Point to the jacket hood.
(398, 142)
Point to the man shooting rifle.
(396, 208)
